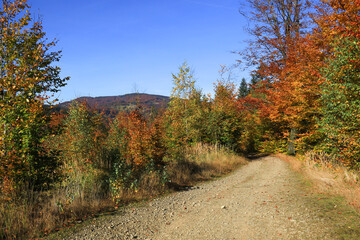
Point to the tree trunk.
(291, 145)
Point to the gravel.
(262, 200)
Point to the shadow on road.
(256, 156)
(179, 188)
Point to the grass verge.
(328, 177)
(204, 162)
(334, 189)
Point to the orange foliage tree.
(131, 136)
(294, 99)
(288, 61)
(26, 75)
(135, 148)
(224, 122)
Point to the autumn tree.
(225, 119)
(82, 137)
(277, 28)
(136, 149)
(183, 116)
(27, 75)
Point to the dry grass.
(13, 219)
(215, 160)
(83, 195)
(38, 213)
(34, 219)
(328, 176)
(150, 186)
(204, 162)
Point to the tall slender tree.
(183, 114)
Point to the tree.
(27, 75)
(278, 27)
(82, 137)
(136, 149)
(338, 24)
(341, 102)
(255, 78)
(226, 121)
(183, 115)
(243, 89)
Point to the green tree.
(243, 89)
(27, 75)
(226, 119)
(82, 151)
(341, 102)
(255, 78)
(83, 136)
(184, 112)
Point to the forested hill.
(111, 105)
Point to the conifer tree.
(243, 90)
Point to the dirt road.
(262, 200)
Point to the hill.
(111, 105)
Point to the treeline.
(306, 95)
(82, 146)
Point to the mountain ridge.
(112, 105)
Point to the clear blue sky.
(112, 47)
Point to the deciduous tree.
(339, 22)
(278, 28)
(27, 75)
(183, 116)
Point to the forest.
(303, 98)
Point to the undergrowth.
(85, 194)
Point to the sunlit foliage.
(26, 76)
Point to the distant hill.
(111, 105)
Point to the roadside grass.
(334, 190)
(44, 212)
(204, 162)
(64, 207)
(344, 219)
(327, 176)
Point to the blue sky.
(114, 47)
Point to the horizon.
(122, 95)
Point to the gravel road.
(262, 200)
